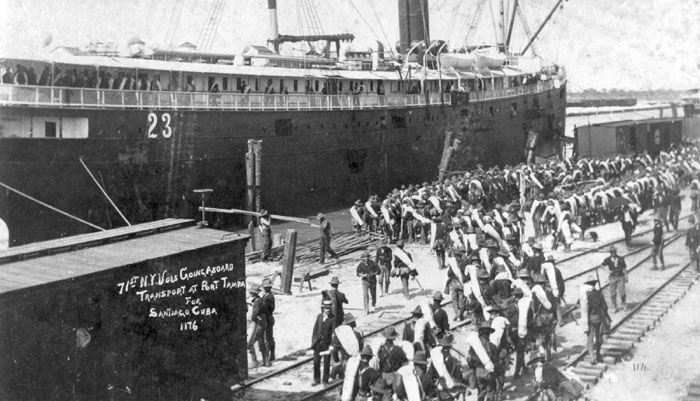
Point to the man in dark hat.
(618, 277)
(483, 362)
(401, 268)
(321, 342)
(519, 330)
(337, 300)
(346, 342)
(419, 373)
(259, 319)
(325, 239)
(440, 241)
(442, 323)
(446, 369)
(366, 376)
(417, 331)
(268, 300)
(368, 271)
(544, 306)
(594, 317)
(657, 250)
(391, 356)
(384, 258)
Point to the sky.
(628, 44)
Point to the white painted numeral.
(166, 132)
(152, 121)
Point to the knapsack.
(595, 301)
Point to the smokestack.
(274, 28)
(414, 23)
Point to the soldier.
(536, 211)
(266, 234)
(439, 242)
(594, 317)
(325, 239)
(402, 267)
(414, 383)
(365, 377)
(268, 300)
(384, 259)
(556, 283)
(345, 343)
(391, 357)
(455, 285)
(483, 362)
(674, 208)
(446, 370)
(519, 331)
(534, 264)
(358, 213)
(657, 250)
(368, 271)
(692, 241)
(337, 300)
(417, 331)
(321, 342)
(628, 225)
(442, 323)
(544, 315)
(618, 277)
(257, 335)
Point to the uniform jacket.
(442, 323)
(658, 234)
(325, 229)
(259, 317)
(337, 300)
(391, 357)
(384, 256)
(268, 300)
(323, 333)
(692, 238)
(370, 269)
(616, 269)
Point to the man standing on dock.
(321, 342)
(268, 300)
(618, 277)
(266, 234)
(594, 316)
(368, 270)
(657, 250)
(384, 258)
(692, 241)
(325, 242)
(257, 335)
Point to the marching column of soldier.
(513, 292)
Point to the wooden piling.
(258, 174)
(250, 177)
(288, 261)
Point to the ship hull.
(312, 160)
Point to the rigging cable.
(381, 27)
(364, 20)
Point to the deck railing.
(42, 96)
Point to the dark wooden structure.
(155, 311)
(628, 137)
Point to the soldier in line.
(325, 239)
(446, 370)
(384, 259)
(692, 241)
(321, 342)
(345, 343)
(391, 356)
(268, 300)
(657, 251)
(368, 271)
(442, 323)
(594, 318)
(426, 389)
(618, 277)
(257, 335)
(364, 377)
(401, 269)
(484, 364)
(417, 331)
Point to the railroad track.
(303, 363)
(632, 327)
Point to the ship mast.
(551, 13)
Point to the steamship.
(149, 127)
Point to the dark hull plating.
(330, 159)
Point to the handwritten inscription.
(181, 294)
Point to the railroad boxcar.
(155, 311)
(628, 137)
